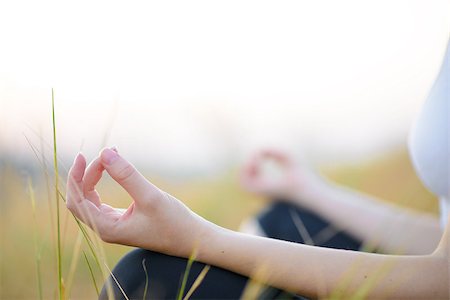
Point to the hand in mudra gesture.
(290, 180)
(154, 220)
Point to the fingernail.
(114, 148)
(109, 156)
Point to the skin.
(158, 221)
(365, 217)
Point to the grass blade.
(185, 276)
(58, 222)
(117, 283)
(146, 280)
(197, 282)
(92, 273)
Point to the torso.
(429, 139)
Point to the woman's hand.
(288, 180)
(155, 220)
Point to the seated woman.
(170, 232)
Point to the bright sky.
(200, 84)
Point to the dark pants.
(164, 273)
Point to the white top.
(429, 139)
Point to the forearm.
(320, 272)
(389, 228)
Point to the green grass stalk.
(197, 282)
(185, 276)
(48, 188)
(58, 222)
(91, 272)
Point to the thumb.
(125, 174)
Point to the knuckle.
(103, 234)
(126, 173)
(107, 233)
(156, 198)
(106, 238)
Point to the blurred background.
(188, 91)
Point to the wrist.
(309, 189)
(210, 238)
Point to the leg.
(285, 221)
(165, 274)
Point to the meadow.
(28, 219)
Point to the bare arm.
(387, 227)
(157, 221)
(322, 272)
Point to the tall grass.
(203, 196)
(59, 196)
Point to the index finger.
(75, 179)
(277, 155)
(91, 177)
